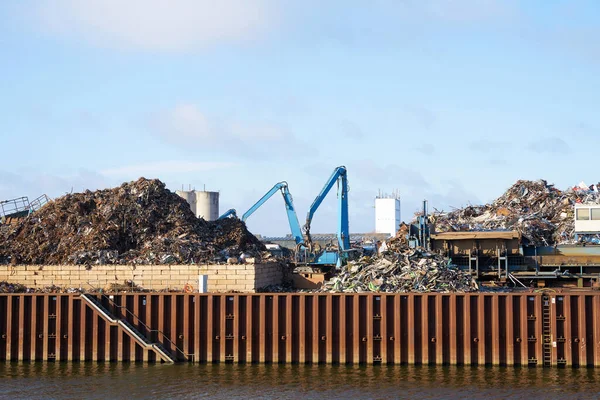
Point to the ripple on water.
(132, 381)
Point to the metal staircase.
(132, 331)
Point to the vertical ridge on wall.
(537, 329)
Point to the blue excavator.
(331, 256)
(308, 251)
(289, 207)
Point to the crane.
(327, 257)
(289, 207)
(229, 213)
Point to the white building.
(587, 218)
(387, 213)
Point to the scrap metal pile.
(126, 287)
(139, 222)
(6, 287)
(400, 270)
(541, 213)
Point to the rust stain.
(448, 329)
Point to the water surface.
(133, 381)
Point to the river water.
(185, 381)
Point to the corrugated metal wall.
(470, 329)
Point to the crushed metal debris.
(125, 287)
(138, 222)
(6, 287)
(541, 213)
(407, 270)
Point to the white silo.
(207, 205)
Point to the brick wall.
(221, 277)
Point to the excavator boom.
(338, 176)
(289, 207)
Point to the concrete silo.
(202, 203)
(207, 205)
(189, 197)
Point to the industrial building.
(387, 213)
(159, 311)
(204, 204)
(387, 223)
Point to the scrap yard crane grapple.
(331, 257)
(309, 253)
(289, 208)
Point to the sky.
(446, 100)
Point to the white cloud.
(186, 125)
(160, 168)
(163, 25)
(188, 122)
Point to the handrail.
(21, 206)
(515, 280)
(38, 203)
(14, 206)
(147, 328)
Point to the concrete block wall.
(268, 274)
(221, 277)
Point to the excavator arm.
(289, 207)
(230, 212)
(338, 176)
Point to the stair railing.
(140, 322)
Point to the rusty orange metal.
(533, 329)
(308, 280)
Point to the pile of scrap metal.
(138, 222)
(398, 270)
(128, 286)
(6, 287)
(542, 214)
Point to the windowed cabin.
(587, 218)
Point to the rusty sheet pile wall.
(221, 277)
(466, 329)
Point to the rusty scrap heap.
(401, 270)
(139, 222)
(540, 212)
(6, 287)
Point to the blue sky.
(449, 100)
